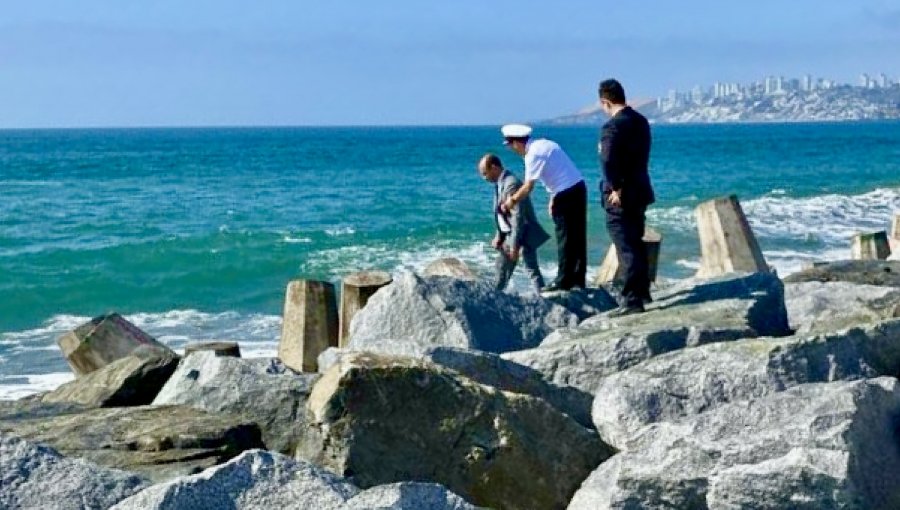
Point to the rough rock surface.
(583, 303)
(257, 479)
(681, 384)
(131, 381)
(450, 267)
(866, 272)
(262, 390)
(815, 446)
(437, 311)
(830, 306)
(36, 476)
(408, 496)
(384, 420)
(687, 314)
(157, 442)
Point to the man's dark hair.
(612, 91)
(491, 159)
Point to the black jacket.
(624, 155)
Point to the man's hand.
(496, 243)
(615, 198)
(514, 254)
(508, 205)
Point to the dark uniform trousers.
(626, 230)
(570, 219)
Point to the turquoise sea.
(194, 233)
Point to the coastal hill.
(833, 104)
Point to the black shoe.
(626, 310)
(552, 287)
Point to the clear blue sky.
(268, 62)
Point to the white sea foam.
(18, 386)
(340, 231)
(296, 240)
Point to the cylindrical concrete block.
(105, 339)
(611, 269)
(225, 349)
(356, 289)
(871, 246)
(727, 243)
(310, 324)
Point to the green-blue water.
(193, 233)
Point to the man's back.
(625, 152)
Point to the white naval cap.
(515, 131)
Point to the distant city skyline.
(277, 62)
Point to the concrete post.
(610, 269)
(871, 246)
(105, 339)
(310, 324)
(224, 349)
(727, 243)
(356, 289)
(894, 238)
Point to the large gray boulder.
(130, 381)
(830, 306)
(408, 496)
(389, 419)
(256, 479)
(864, 272)
(262, 390)
(815, 446)
(687, 314)
(679, 385)
(490, 369)
(583, 303)
(36, 476)
(436, 311)
(156, 442)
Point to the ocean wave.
(18, 386)
(831, 219)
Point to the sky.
(114, 63)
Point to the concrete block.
(870, 246)
(228, 349)
(105, 339)
(727, 243)
(310, 324)
(356, 289)
(610, 269)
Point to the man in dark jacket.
(626, 191)
(518, 232)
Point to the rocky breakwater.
(735, 392)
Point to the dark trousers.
(626, 230)
(570, 219)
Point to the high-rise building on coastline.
(771, 85)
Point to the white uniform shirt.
(547, 162)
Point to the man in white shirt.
(545, 161)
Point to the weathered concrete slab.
(611, 270)
(105, 339)
(356, 289)
(156, 442)
(866, 272)
(130, 381)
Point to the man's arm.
(516, 218)
(518, 196)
